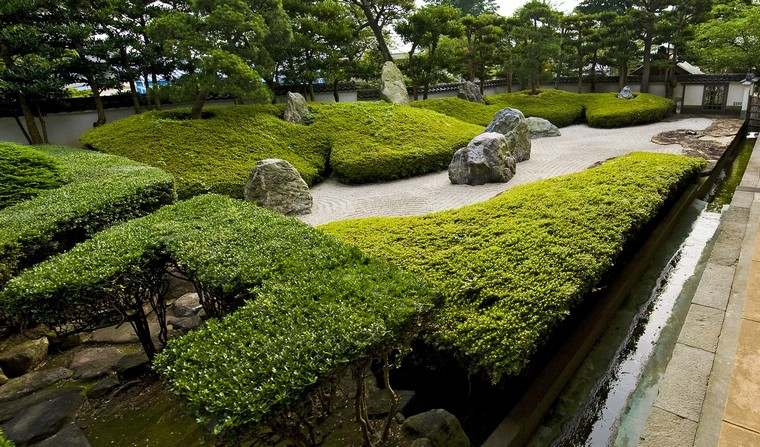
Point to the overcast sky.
(507, 7)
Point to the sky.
(507, 7)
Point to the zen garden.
(418, 223)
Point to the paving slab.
(667, 429)
(743, 407)
(701, 328)
(752, 300)
(733, 436)
(715, 286)
(682, 388)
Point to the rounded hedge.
(359, 141)
(607, 110)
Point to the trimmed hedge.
(98, 190)
(368, 142)
(24, 172)
(560, 107)
(513, 267)
(606, 110)
(310, 304)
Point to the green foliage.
(513, 267)
(368, 141)
(310, 305)
(97, 191)
(24, 172)
(730, 39)
(560, 107)
(4, 441)
(606, 110)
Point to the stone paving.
(578, 148)
(709, 393)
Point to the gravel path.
(578, 148)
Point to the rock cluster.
(296, 110)
(392, 86)
(541, 128)
(486, 159)
(469, 91)
(277, 185)
(626, 93)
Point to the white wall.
(693, 94)
(736, 94)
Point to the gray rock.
(392, 86)
(103, 386)
(541, 128)
(379, 402)
(511, 123)
(469, 91)
(95, 362)
(276, 184)
(132, 364)
(184, 323)
(23, 357)
(422, 442)
(187, 305)
(44, 418)
(31, 382)
(439, 426)
(296, 110)
(122, 333)
(486, 159)
(3, 378)
(69, 436)
(626, 93)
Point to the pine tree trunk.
(43, 124)
(593, 72)
(376, 30)
(623, 77)
(647, 63)
(197, 110)
(31, 125)
(98, 107)
(135, 99)
(335, 91)
(156, 90)
(23, 129)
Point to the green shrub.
(24, 172)
(607, 110)
(98, 190)
(368, 141)
(4, 441)
(310, 304)
(513, 267)
(560, 107)
(379, 141)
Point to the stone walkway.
(578, 148)
(710, 392)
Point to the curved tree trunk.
(98, 107)
(31, 126)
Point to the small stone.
(277, 185)
(486, 159)
(95, 362)
(43, 419)
(69, 436)
(31, 382)
(541, 128)
(511, 123)
(469, 91)
(103, 386)
(21, 358)
(187, 305)
(392, 86)
(439, 426)
(184, 323)
(626, 93)
(296, 110)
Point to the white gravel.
(578, 148)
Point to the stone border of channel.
(693, 391)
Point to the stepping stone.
(95, 362)
(69, 436)
(31, 382)
(43, 419)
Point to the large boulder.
(511, 123)
(626, 93)
(97, 361)
(296, 110)
(392, 87)
(23, 357)
(31, 382)
(277, 185)
(187, 305)
(439, 427)
(541, 128)
(43, 419)
(469, 91)
(486, 159)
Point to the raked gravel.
(578, 148)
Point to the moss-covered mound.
(94, 191)
(560, 107)
(513, 267)
(363, 142)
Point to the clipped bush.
(560, 107)
(309, 306)
(24, 172)
(513, 267)
(380, 141)
(607, 110)
(97, 190)
(362, 141)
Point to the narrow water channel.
(609, 398)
